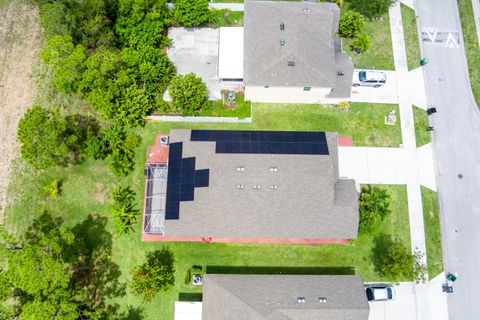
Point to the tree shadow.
(131, 314)
(381, 245)
(94, 270)
(281, 270)
(79, 128)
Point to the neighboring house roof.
(303, 198)
(275, 297)
(308, 40)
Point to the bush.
(190, 13)
(372, 8)
(115, 143)
(361, 44)
(48, 139)
(52, 188)
(394, 261)
(191, 272)
(155, 275)
(124, 209)
(374, 207)
(188, 93)
(351, 24)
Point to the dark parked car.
(379, 292)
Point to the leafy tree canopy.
(188, 93)
(67, 61)
(155, 275)
(124, 209)
(190, 13)
(48, 139)
(351, 24)
(372, 8)
(374, 206)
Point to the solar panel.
(182, 177)
(265, 142)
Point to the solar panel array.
(264, 142)
(182, 180)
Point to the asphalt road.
(457, 152)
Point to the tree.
(372, 8)
(190, 13)
(67, 61)
(48, 139)
(157, 274)
(394, 261)
(188, 93)
(118, 145)
(41, 133)
(361, 44)
(36, 275)
(124, 209)
(351, 24)
(374, 207)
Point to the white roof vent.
(273, 187)
(273, 169)
(256, 186)
(307, 10)
(301, 300)
(240, 186)
(322, 300)
(240, 168)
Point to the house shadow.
(281, 270)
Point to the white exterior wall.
(288, 95)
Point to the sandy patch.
(19, 48)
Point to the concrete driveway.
(389, 93)
(196, 50)
(413, 302)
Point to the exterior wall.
(162, 238)
(289, 95)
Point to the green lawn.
(87, 188)
(364, 122)
(380, 54)
(226, 18)
(410, 32)
(432, 232)
(422, 136)
(87, 191)
(471, 45)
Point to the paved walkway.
(230, 6)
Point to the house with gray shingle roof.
(292, 53)
(249, 186)
(283, 297)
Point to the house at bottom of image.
(247, 187)
(277, 297)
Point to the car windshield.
(362, 75)
(390, 293)
(370, 296)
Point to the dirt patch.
(100, 190)
(20, 35)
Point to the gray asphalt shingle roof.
(309, 42)
(274, 297)
(310, 201)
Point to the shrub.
(157, 274)
(190, 13)
(361, 44)
(371, 8)
(374, 207)
(351, 24)
(52, 188)
(124, 209)
(188, 93)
